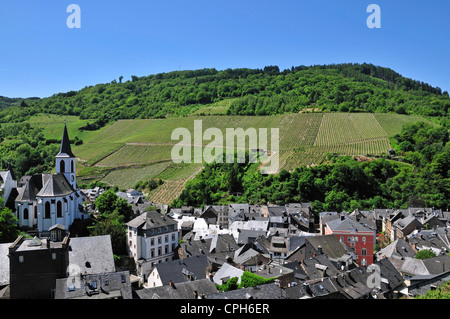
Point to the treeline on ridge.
(267, 91)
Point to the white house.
(152, 237)
(44, 200)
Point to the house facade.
(359, 238)
(152, 237)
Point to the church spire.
(65, 144)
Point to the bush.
(424, 254)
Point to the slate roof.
(399, 248)
(30, 187)
(4, 264)
(65, 150)
(391, 278)
(346, 225)
(331, 246)
(226, 272)
(55, 185)
(92, 254)
(173, 270)
(422, 267)
(267, 291)
(182, 290)
(152, 219)
(212, 244)
(107, 285)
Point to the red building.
(356, 236)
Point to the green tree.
(113, 225)
(8, 225)
(424, 254)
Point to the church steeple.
(65, 144)
(65, 160)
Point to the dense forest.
(343, 183)
(267, 91)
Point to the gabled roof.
(226, 272)
(30, 188)
(65, 150)
(177, 270)
(55, 185)
(400, 248)
(267, 291)
(347, 224)
(93, 255)
(107, 286)
(331, 246)
(182, 290)
(152, 219)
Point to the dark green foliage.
(114, 213)
(442, 292)
(344, 184)
(341, 87)
(249, 279)
(150, 184)
(25, 150)
(8, 225)
(231, 284)
(424, 254)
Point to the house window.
(153, 252)
(167, 249)
(173, 237)
(159, 240)
(53, 256)
(363, 252)
(21, 259)
(166, 238)
(364, 240)
(152, 241)
(47, 210)
(59, 209)
(363, 262)
(25, 213)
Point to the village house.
(178, 271)
(356, 236)
(152, 238)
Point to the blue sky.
(41, 56)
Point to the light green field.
(127, 151)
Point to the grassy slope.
(127, 151)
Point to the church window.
(47, 210)
(62, 167)
(35, 212)
(59, 209)
(71, 167)
(25, 213)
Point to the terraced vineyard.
(127, 151)
(172, 188)
(351, 134)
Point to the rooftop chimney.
(48, 242)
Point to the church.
(45, 200)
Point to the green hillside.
(127, 151)
(268, 91)
(121, 131)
